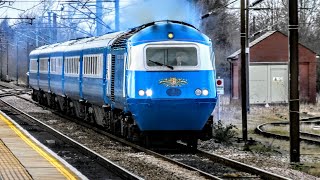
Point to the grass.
(284, 129)
(314, 170)
(309, 128)
(310, 168)
(281, 130)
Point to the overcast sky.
(14, 8)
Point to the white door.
(258, 84)
(278, 83)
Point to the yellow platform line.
(52, 160)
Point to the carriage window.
(71, 65)
(43, 65)
(172, 56)
(92, 64)
(33, 65)
(56, 65)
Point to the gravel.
(148, 167)
(139, 163)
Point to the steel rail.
(214, 157)
(120, 171)
(241, 166)
(137, 147)
(228, 162)
(260, 130)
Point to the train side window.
(43, 65)
(71, 65)
(33, 65)
(109, 59)
(56, 65)
(59, 65)
(53, 65)
(76, 63)
(213, 60)
(92, 65)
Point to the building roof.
(256, 41)
(234, 56)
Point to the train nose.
(172, 115)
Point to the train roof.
(77, 44)
(115, 39)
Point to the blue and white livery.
(155, 82)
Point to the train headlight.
(149, 92)
(141, 92)
(198, 92)
(205, 92)
(170, 35)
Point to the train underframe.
(119, 123)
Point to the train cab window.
(171, 56)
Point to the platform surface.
(23, 157)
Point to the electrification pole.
(116, 18)
(7, 75)
(28, 64)
(244, 103)
(54, 27)
(247, 56)
(49, 26)
(1, 63)
(98, 17)
(37, 34)
(294, 82)
(17, 65)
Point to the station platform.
(23, 157)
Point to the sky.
(132, 12)
(139, 11)
(15, 7)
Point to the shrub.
(224, 134)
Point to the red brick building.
(268, 71)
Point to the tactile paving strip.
(10, 167)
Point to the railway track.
(227, 168)
(241, 167)
(89, 163)
(304, 136)
(195, 161)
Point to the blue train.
(152, 83)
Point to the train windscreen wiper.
(160, 64)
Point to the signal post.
(220, 91)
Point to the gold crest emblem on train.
(173, 82)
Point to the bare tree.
(223, 27)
